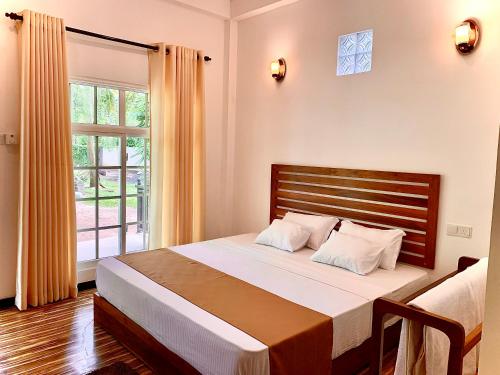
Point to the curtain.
(46, 269)
(177, 146)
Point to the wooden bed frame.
(460, 345)
(372, 198)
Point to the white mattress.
(213, 346)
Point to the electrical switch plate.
(11, 139)
(8, 139)
(456, 230)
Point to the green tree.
(137, 114)
(82, 111)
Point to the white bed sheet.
(213, 346)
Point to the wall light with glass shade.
(466, 36)
(278, 69)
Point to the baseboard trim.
(86, 285)
(10, 302)
(7, 302)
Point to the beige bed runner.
(299, 339)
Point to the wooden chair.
(460, 344)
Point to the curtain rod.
(17, 17)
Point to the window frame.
(121, 131)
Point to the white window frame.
(122, 131)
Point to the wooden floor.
(58, 339)
(61, 339)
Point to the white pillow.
(389, 239)
(284, 235)
(352, 253)
(319, 226)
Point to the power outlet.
(11, 139)
(456, 230)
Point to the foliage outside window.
(111, 169)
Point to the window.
(355, 53)
(111, 167)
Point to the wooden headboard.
(375, 199)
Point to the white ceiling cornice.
(236, 10)
(243, 9)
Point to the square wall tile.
(355, 53)
(363, 62)
(364, 41)
(346, 65)
(347, 44)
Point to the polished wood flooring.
(61, 339)
(58, 339)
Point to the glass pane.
(109, 182)
(109, 242)
(135, 180)
(135, 238)
(147, 179)
(135, 209)
(109, 151)
(108, 106)
(86, 249)
(83, 151)
(85, 184)
(148, 152)
(109, 212)
(82, 104)
(136, 109)
(137, 152)
(85, 215)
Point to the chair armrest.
(453, 329)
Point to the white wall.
(423, 108)
(146, 21)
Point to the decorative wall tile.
(363, 62)
(364, 41)
(346, 65)
(347, 44)
(355, 53)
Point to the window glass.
(108, 106)
(109, 212)
(111, 191)
(86, 246)
(85, 183)
(83, 151)
(136, 109)
(109, 153)
(109, 242)
(135, 238)
(137, 152)
(135, 180)
(109, 182)
(82, 104)
(85, 214)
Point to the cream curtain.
(46, 269)
(177, 146)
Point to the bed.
(173, 335)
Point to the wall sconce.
(278, 69)
(466, 36)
